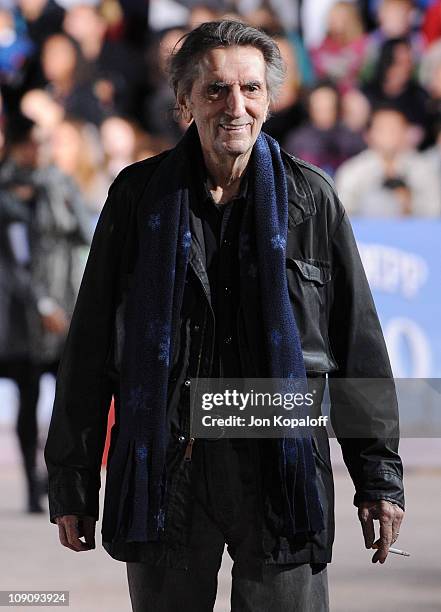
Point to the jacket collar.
(301, 202)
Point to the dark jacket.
(54, 234)
(340, 335)
(16, 303)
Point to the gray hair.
(184, 63)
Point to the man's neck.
(224, 175)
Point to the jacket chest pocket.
(308, 286)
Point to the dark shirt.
(232, 463)
(221, 227)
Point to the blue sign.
(402, 260)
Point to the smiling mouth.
(234, 128)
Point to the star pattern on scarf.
(154, 221)
(278, 242)
(141, 453)
(164, 350)
(186, 240)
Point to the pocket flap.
(309, 271)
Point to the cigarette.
(397, 551)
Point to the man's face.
(228, 100)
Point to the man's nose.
(235, 102)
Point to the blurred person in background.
(394, 84)
(116, 70)
(288, 111)
(17, 300)
(355, 113)
(76, 151)
(396, 19)
(267, 14)
(44, 245)
(39, 19)
(313, 20)
(390, 178)
(119, 141)
(430, 79)
(200, 12)
(67, 81)
(433, 153)
(341, 55)
(124, 142)
(39, 106)
(323, 140)
(42, 19)
(159, 107)
(431, 28)
(15, 50)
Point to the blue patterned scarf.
(152, 319)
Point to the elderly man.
(224, 257)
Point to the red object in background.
(432, 23)
(110, 422)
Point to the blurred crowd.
(362, 98)
(84, 92)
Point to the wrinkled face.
(228, 100)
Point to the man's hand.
(390, 516)
(71, 528)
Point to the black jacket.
(340, 335)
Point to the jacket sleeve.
(364, 410)
(77, 430)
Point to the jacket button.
(228, 340)
(227, 290)
(187, 383)
(196, 328)
(181, 439)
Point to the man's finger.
(62, 534)
(73, 536)
(385, 540)
(399, 514)
(88, 529)
(367, 525)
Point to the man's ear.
(184, 109)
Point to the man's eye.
(214, 90)
(252, 88)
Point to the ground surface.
(31, 558)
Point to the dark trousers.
(26, 376)
(226, 511)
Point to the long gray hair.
(184, 63)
